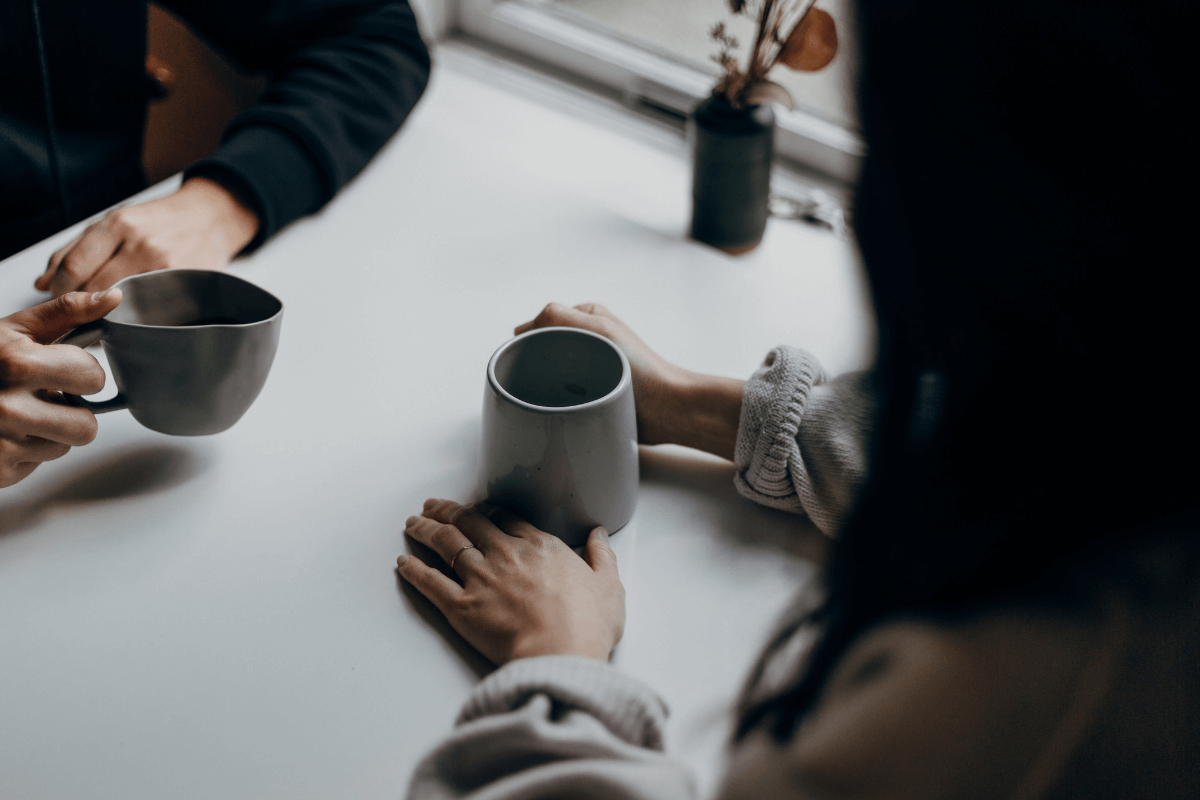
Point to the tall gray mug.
(559, 432)
(189, 349)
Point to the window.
(656, 52)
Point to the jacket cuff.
(626, 706)
(271, 172)
(773, 403)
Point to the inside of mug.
(559, 368)
(186, 298)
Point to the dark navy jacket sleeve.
(345, 75)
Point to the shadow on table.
(434, 618)
(709, 482)
(138, 471)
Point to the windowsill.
(607, 108)
(823, 153)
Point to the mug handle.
(85, 335)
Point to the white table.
(219, 617)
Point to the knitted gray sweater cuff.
(627, 707)
(773, 403)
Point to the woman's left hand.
(524, 593)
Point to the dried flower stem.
(775, 19)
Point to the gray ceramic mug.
(559, 432)
(189, 349)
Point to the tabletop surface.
(219, 616)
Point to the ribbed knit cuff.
(626, 706)
(271, 171)
(773, 402)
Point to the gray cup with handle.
(189, 349)
(560, 432)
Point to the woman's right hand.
(674, 406)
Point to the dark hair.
(1020, 218)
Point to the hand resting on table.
(674, 406)
(523, 593)
(35, 425)
(201, 226)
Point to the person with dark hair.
(1012, 605)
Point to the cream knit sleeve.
(802, 439)
(555, 726)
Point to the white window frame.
(640, 74)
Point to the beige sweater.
(1010, 703)
(802, 437)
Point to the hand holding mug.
(35, 425)
(674, 405)
(523, 593)
(655, 381)
(189, 349)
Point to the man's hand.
(201, 226)
(674, 406)
(35, 425)
(524, 593)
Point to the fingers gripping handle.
(84, 336)
(111, 404)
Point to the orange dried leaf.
(812, 44)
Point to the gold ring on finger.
(459, 553)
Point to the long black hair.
(1023, 219)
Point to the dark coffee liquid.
(209, 321)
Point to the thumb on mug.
(46, 322)
(600, 555)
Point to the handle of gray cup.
(84, 336)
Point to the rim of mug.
(182, 271)
(626, 373)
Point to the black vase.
(731, 173)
